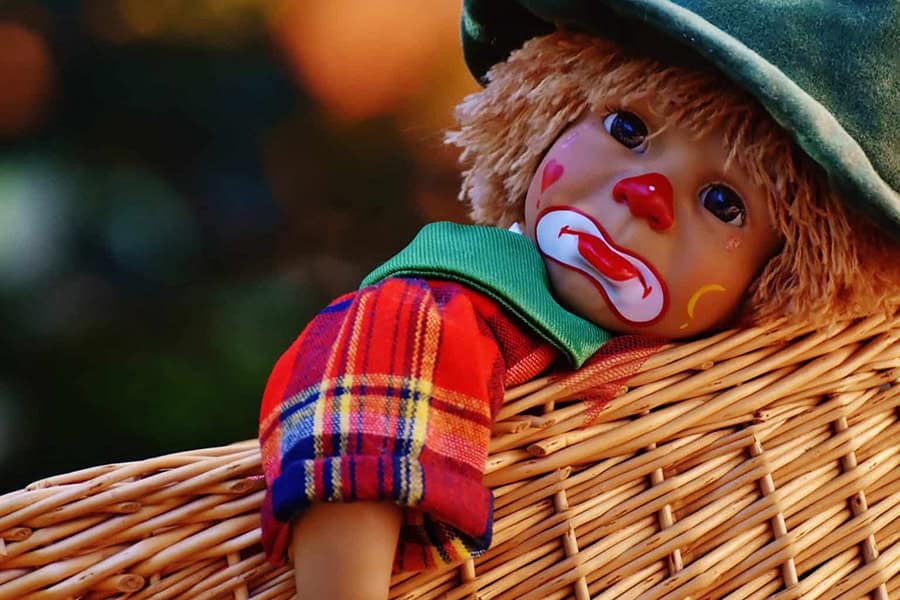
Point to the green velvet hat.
(827, 70)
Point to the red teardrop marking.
(552, 172)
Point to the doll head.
(664, 199)
(619, 249)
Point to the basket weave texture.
(759, 463)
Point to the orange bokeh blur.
(28, 74)
(362, 58)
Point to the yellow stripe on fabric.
(345, 399)
(330, 375)
(335, 465)
(318, 425)
(346, 382)
(422, 309)
(292, 423)
(309, 479)
(416, 487)
(461, 400)
(344, 407)
(428, 332)
(407, 409)
(436, 557)
(422, 388)
(420, 392)
(266, 422)
(462, 552)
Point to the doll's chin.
(663, 328)
(583, 299)
(580, 296)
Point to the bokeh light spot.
(27, 73)
(149, 232)
(362, 58)
(144, 18)
(33, 209)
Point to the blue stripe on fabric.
(398, 471)
(289, 492)
(302, 449)
(297, 435)
(409, 410)
(327, 477)
(338, 307)
(437, 535)
(334, 434)
(381, 477)
(351, 466)
(359, 415)
(298, 402)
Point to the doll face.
(644, 228)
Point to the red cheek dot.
(552, 172)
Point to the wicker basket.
(759, 463)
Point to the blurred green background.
(183, 184)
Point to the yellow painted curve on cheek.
(692, 303)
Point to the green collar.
(505, 266)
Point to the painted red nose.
(648, 196)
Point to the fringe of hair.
(833, 264)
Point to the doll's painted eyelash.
(724, 203)
(628, 129)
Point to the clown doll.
(643, 167)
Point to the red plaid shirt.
(390, 394)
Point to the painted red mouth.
(600, 256)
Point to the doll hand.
(345, 551)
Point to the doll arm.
(345, 550)
(389, 395)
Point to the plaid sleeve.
(388, 394)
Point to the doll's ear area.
(835, 264)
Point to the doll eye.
(628, 129)
(724, 203)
